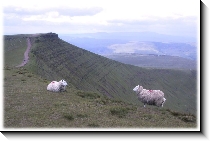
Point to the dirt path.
(26, 57)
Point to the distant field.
(155, 61)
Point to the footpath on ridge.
(26, 57)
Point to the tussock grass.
(183, 116)
(119, 111)
(88, 95)
(82, 115)
(68, 116)
(93, 125)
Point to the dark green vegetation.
(99, 92)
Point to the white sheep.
(63, 86)
(55, 86)
(150, 97)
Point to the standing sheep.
(150, 97)
(55, 86)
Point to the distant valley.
(154, 61)
(140, 49)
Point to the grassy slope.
(86, 71)
(14, 48)
(27, 104)
(57, 59)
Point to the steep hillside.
(54, 59)
(28, 106)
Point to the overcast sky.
(173, 17)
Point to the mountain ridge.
(53, 59)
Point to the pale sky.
(173, 17)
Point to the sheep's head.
(63, 82)
(136, 88)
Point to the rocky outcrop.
(49, 35)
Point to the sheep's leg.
(163, 102)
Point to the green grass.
(14, 49)
(68, 116)
(119, 111)
(88, 95)
(99, 92)
(93, 125)
(30, 105)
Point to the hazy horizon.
(170, 17)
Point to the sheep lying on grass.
(63, 86)
(55, 86)
(150, 97)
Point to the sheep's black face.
(64, 83)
